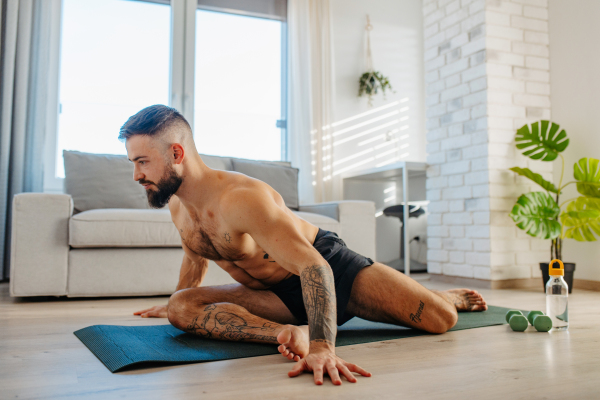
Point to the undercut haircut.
(153, 121)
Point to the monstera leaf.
(542, 141)
(586, 171)
(537, 178)
(582, 219)
(535, 213)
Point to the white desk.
(393, 172)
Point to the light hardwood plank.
(41, 358)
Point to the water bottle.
(557, 292)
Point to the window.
(238, 86)
(220, 62)
(114, 62)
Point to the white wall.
(397, 47)
(575, 87)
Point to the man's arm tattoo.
(318, 292)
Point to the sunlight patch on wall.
(354, 166)
(365, 123)
(376, 134)
(357, 116)
(348, 139)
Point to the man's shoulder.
(237, 196)
(244, 198)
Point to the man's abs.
(252, 266)
(258, 270)
(262, 282)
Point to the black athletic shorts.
(345, 265)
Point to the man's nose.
(137, 175)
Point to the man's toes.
(284, 336)
(283, 350)
(480, 300)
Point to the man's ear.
(177, 153)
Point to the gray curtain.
(28, 33)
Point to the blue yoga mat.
(133, 347)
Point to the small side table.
(398, 212)
(393, 172)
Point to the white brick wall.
(487, 64)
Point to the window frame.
(181, 78)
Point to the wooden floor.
(41, 358)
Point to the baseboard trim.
(586, 284)
(527, 283)
(460, 281)
(530, 283)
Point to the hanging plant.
(371, 81)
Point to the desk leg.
(405, 221)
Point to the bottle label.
(556, 289)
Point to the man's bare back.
(206, 234)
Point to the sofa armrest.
(357, 222)
(40, 244)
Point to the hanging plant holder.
(372, 81)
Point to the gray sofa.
(102, 239)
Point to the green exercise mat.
(132, 347)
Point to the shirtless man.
(289, 271)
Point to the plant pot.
(569, 272)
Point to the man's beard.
(167, 187)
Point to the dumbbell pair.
(518, 322)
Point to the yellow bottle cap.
(556, 271)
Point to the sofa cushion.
(323, 222)
(123, 228)
(102, 181)
(97, 181)
(216, 162)
(225, 163)
(281, 178)
(143, 228)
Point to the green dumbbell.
(518, 323)
(531, 315)
(511, 313)
(542, 323)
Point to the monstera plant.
(543, 214)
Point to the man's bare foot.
(294, 342)
(465, 299)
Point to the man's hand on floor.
(156, 312)
(326, 361)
